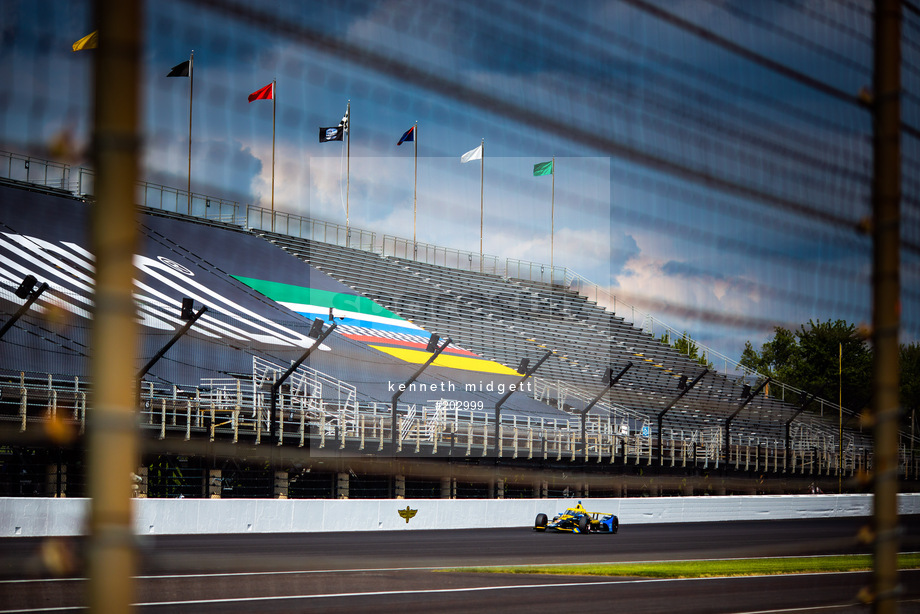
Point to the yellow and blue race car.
(578, 520)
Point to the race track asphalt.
(404, 571)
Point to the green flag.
(543, 168)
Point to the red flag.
(266, 93)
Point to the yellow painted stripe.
(466, 363)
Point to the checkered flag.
(344, 123)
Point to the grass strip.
(708, 568)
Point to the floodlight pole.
(590, 406)
(673, 402)
(179, 333)
(276, 385)
(33, 296)
(507, 395)
(394, 435)
(728, 421)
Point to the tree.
(778, 357)
(688, 347)
(810, 359)
(831, 354)
(910, 385)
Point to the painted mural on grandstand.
(363, 320)
(261, 302)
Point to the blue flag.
(408, 135)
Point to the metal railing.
(232, 410)
(174, 200)
(37, 171)
(294, 225)
(442, 256)
(535, 271)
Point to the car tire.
(583, 524)
(540, 523)
(615, 525)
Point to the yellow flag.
(90, 41)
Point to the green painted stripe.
(289, 293)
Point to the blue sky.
(620, 95)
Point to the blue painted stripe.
(396, 328)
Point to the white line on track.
(380, 569)
(37, 610)
(781, 611)
(816, 608)
(441, 591)
(585, 584)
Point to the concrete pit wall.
(61, 517)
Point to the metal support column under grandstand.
(191, 319)
(788, 426)
(319, 334)
(25, 290)
(498, 405)
(610, 383)
(435, 352)
(748, 397)
(684, 389)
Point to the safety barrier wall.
(60, 517)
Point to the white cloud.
(718, 309)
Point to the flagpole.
(415, 198)
(191, 87)
(274, 102)
(552, 221)
(347, 170)
(482, 165)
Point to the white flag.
(473, 154)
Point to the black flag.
(179, 70)
(332, 133)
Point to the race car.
(578, 520)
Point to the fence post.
(303, 425)
(23, 398)
(322, 428)
(82, 413)
(162, 417)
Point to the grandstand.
(658, 421)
